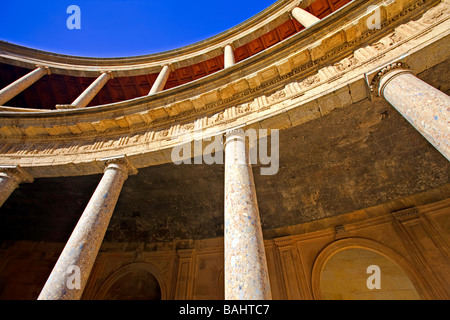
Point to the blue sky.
(118, 28)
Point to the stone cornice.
(258, 73)
(17, 173)
(290, 90)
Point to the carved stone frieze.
(135, 132)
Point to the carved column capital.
(45, 68)
(10, 178)
(109, 73)
(234, 133)
(406, 214)
(119, 162)
(283, 242)
(385, 74)
(16, 173)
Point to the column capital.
(231, 44)
(109, 73)
(380, 80)
(406, 214)
(233, 134)
(169, 65)
(16, 172)
(46, 68)
(286, 241)
(121, 161)
(235, 131)
(185, 253)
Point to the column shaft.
(83, 99)
(425, 107)
(304, 17)
(84, 243)
(228, 56)
(161, 80)
(21, 84)
(246, 273)
(10, 178)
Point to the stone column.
(228, 56)
(10, 178)
(424, 106)
(161, 80)
(91, 91)
(21, 84)
(71, 272)
(83, 99)
(304, 17)
(246, 273)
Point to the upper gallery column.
(71, 272)
(228, 56)
(424, 106)
(161, 79)
(246, 273)
(84, 98)
(21, 84)
(10, 178)
(304, 17)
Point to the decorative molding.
(119, 160)
(284, 241)
(340, 231)
(150, 131)
(17, 173)
(374, 85)
(406, 214)
(46, 68)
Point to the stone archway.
(340, 272)
(136, 281)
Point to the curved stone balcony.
(305, 76)
(357, 90)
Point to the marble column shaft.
(160, 80)
(21, 84)
(83, 245)
(10, 178)
(83, 99)
(246, 273)
(425, 107)
(228, 56)
(304, 17)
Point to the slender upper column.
(228, 56)
(304, 17)
(84, 98)
(90, 92)
(161, 80)
(424, 106)
(10, 178)
(21, 84)
(246, 273)
(81, 250)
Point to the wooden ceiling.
(59, 89)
